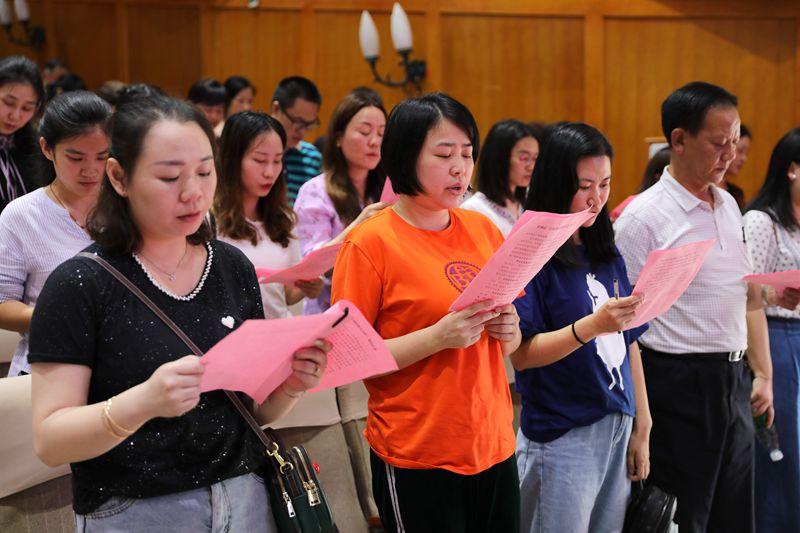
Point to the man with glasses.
(295, 104)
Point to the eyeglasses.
(299, 123)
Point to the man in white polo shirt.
(700, 392)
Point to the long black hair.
(241, 129)
(26, 153)
(775, 196)
(555, 182)
(495, 161)
(69, 115)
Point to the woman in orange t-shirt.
(439, 428)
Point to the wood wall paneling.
(165, 46)
(646, 59)
(92, 50)
(609, 62)
(263, 45)
(529, 68)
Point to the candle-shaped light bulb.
(368, 37)
(22, 11)
(401, 29)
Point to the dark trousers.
(440, 501)
(701, 445)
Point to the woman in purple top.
(333, 203)
(42, 229)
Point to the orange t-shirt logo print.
(460, 274)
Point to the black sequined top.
(84, 316)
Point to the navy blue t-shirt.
(594, 380)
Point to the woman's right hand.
(368, 211)
(615, 314)
(463, 328)
(174, 388)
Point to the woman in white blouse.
(505, 167)
(42, 229)
(772, 227)
(251, 208)
(252, 213)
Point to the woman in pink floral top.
(333, 203)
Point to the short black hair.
(744, 131)
(495, 163)
(111, 91)
(555, 182)
(137, 91)
(55, 63)
(406, 130)
(233, 86)
(207, 91)
(294, 87)
(64, 84)
(775, 196)
(686, 107)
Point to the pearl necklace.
(171, 294)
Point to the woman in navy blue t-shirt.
(585, 421)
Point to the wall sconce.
(33, 35)
(403, 43)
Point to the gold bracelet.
(107, 426)
(290, 395)
(118, 430)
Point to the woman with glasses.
(504, 172)
(295, 104)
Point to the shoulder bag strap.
(268, 443)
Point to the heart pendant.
(228, 322)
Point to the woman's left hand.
(308, 366)
(505, 326)
(639, 451)
(311, 288)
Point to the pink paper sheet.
(778, 280)
(257, 357)
(665, 276)
(532, 242)
(388, 194)
(312, 266)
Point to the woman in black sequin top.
(113, 392)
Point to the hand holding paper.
(665, 276)
(788, 279)
(534, 239)
(257, 357)
(312, 266)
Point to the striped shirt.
(301, 164)
(710, 315)
(36, 235)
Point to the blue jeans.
(777, 485)
(232, 505)
(577, 483)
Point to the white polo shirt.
(710, 315)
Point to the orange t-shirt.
(451, 410)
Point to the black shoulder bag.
(650, 510)
(296, 496)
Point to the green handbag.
(298, 501)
